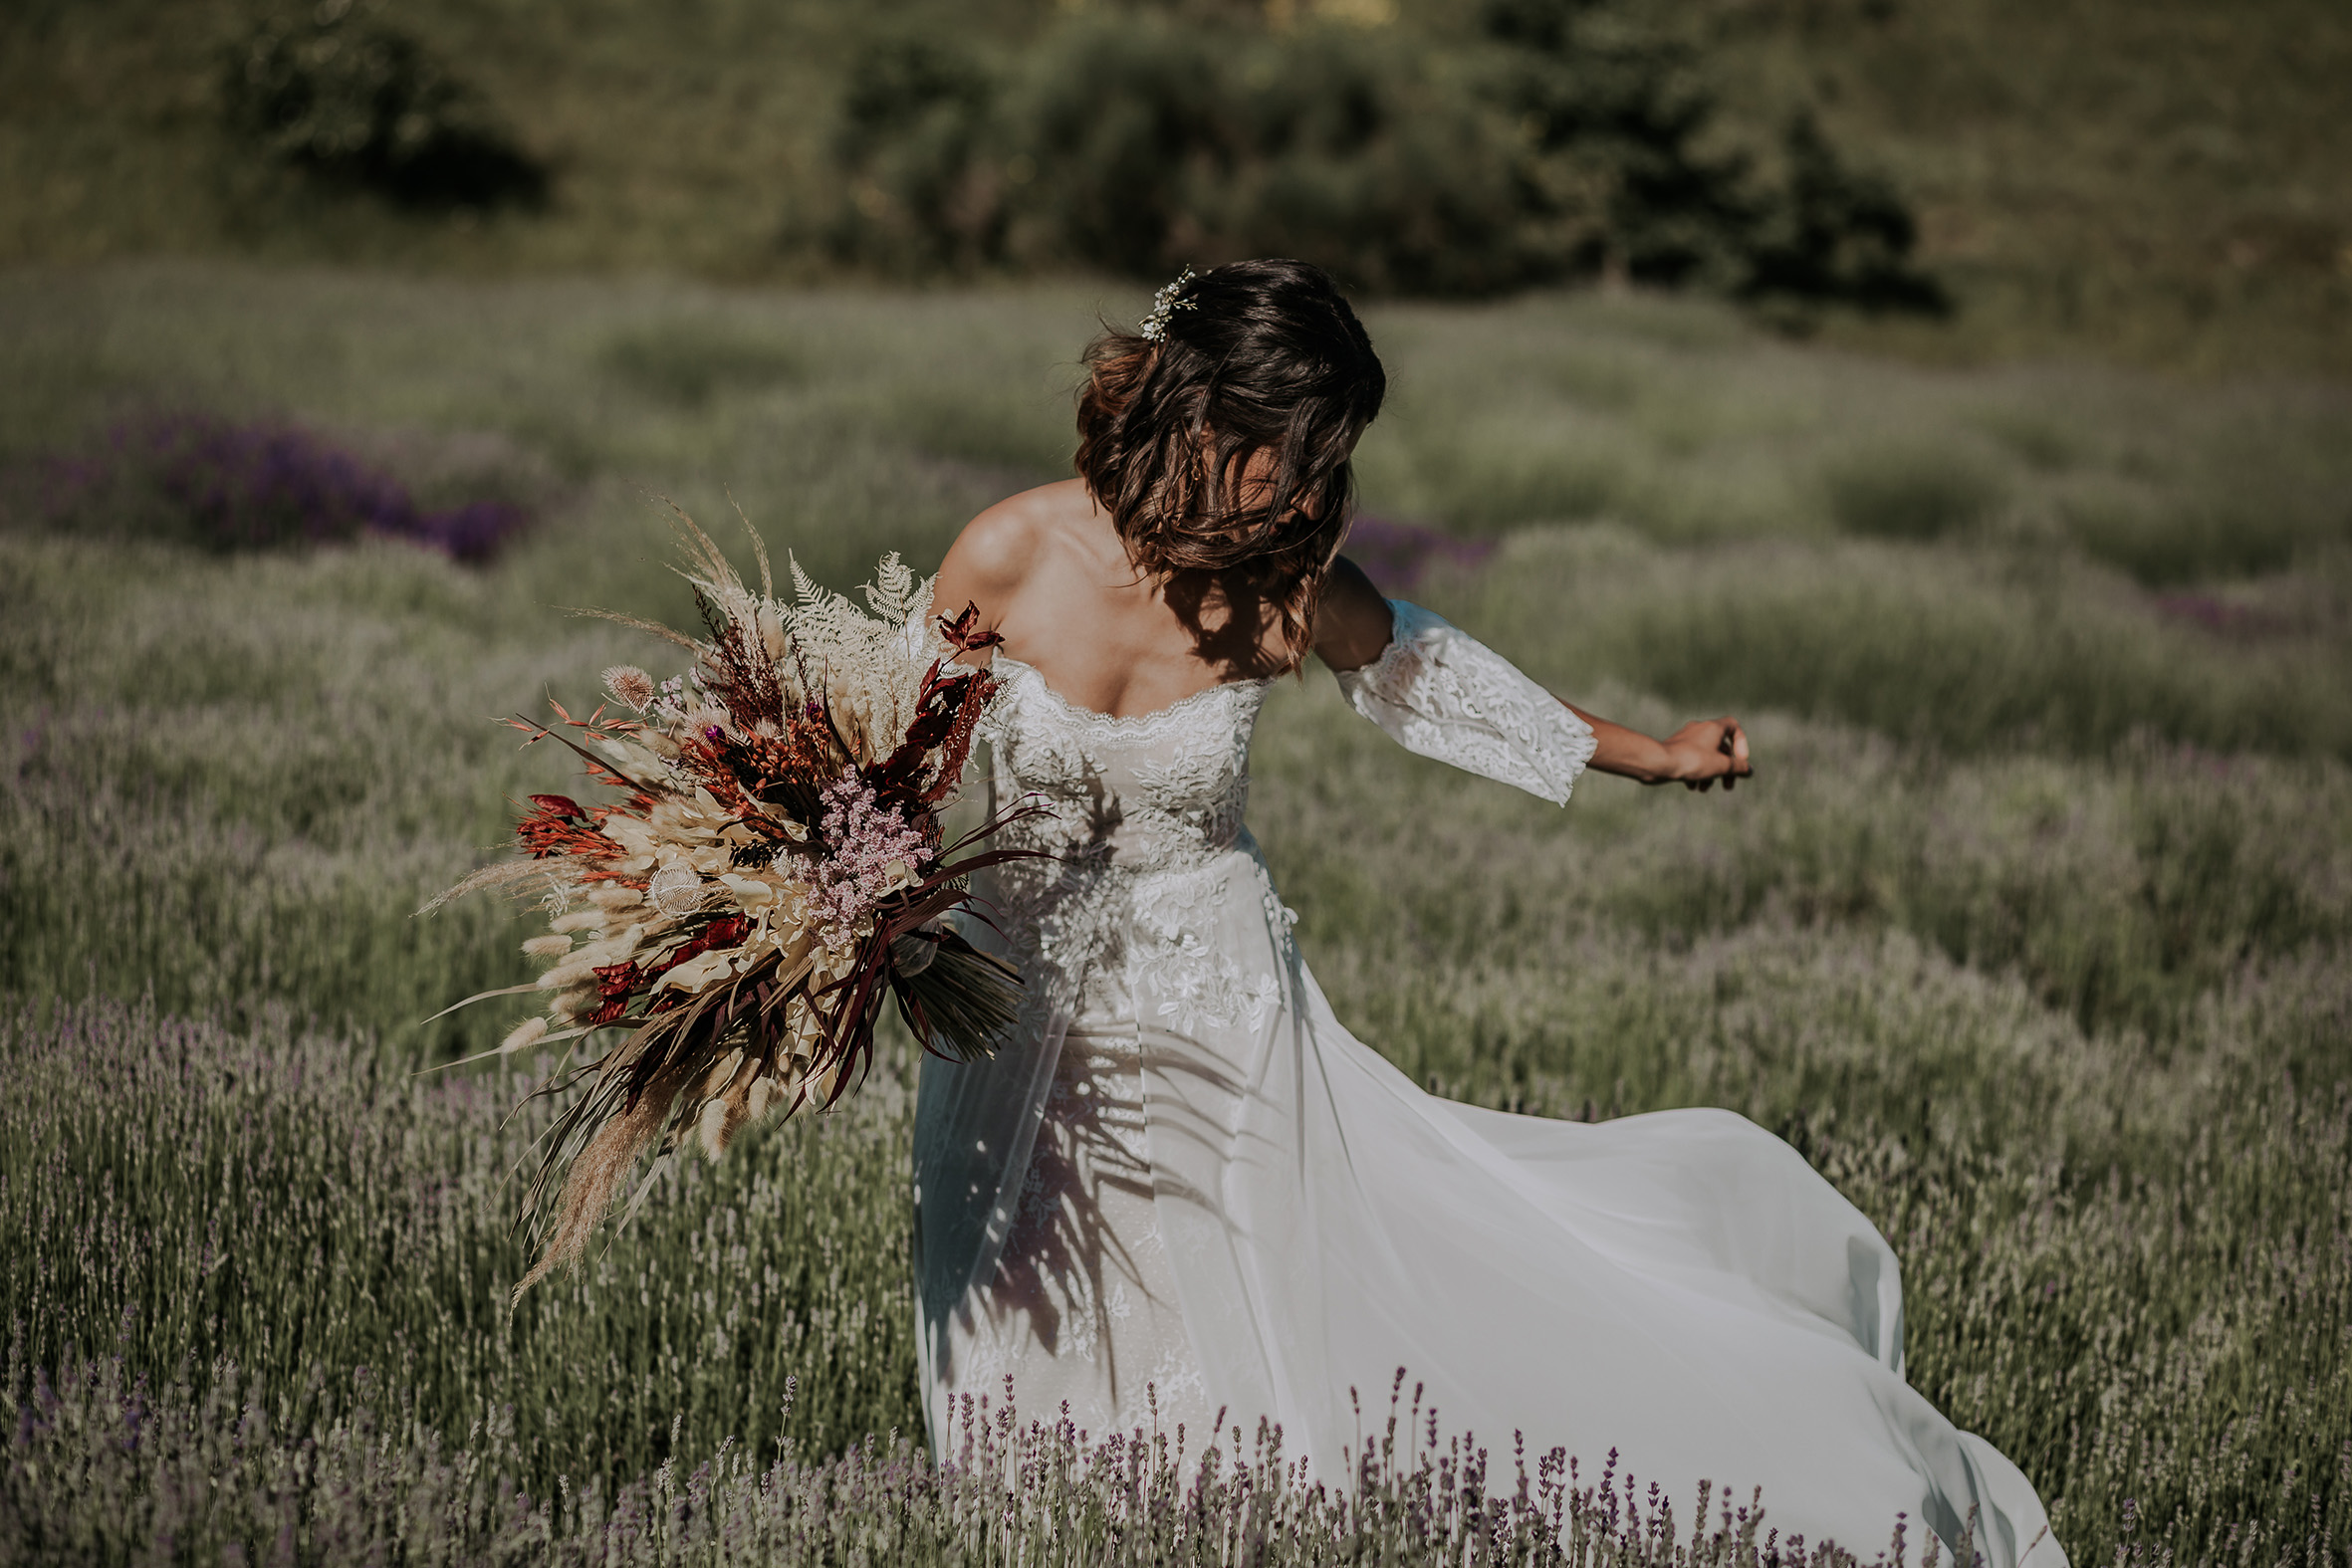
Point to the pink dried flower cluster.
(873, 852)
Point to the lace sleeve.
(1443, 694)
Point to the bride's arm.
(1694, 755)
(1353, 626)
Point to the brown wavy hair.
(1258, 357)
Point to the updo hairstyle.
(1255, 356)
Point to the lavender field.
(2031, 934)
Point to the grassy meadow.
(2032, 932)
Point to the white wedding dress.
(1186, 1183)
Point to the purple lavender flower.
(1395, 555)
(255, 485)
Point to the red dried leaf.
(964, 631)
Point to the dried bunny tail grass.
(746, 1095)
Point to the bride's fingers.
(1733, 745)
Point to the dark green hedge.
(1561, 140)
(350, 96)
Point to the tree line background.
(2162, 181)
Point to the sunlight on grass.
(2030, 933)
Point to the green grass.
(2032, 933)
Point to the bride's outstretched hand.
(1706, 751)
(1696, 756)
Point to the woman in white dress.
(1183, 1186)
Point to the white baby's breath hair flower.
(630, 685)
(1166, 304)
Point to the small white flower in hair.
(1165, 303)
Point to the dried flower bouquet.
(774, 867)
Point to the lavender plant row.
(227, 484)
(108, 1469)
(265, 1214)
(280, 1202)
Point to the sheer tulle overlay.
(1185, 1187)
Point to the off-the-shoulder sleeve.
(1443, 694)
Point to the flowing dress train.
(1185, 1186)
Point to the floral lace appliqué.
(1182, 971)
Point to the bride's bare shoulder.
(996, 551)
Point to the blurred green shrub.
(1558, 140)
(1911, 492)
(2171, 540)
(1833, 232)
(915, 130)
(353, 99)
(689, 362)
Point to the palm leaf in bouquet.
(770, 870)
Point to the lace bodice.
(1163, 790)
(1167, 789)
(1143, 815)
(1143, 820)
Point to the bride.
(1185, 1188)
